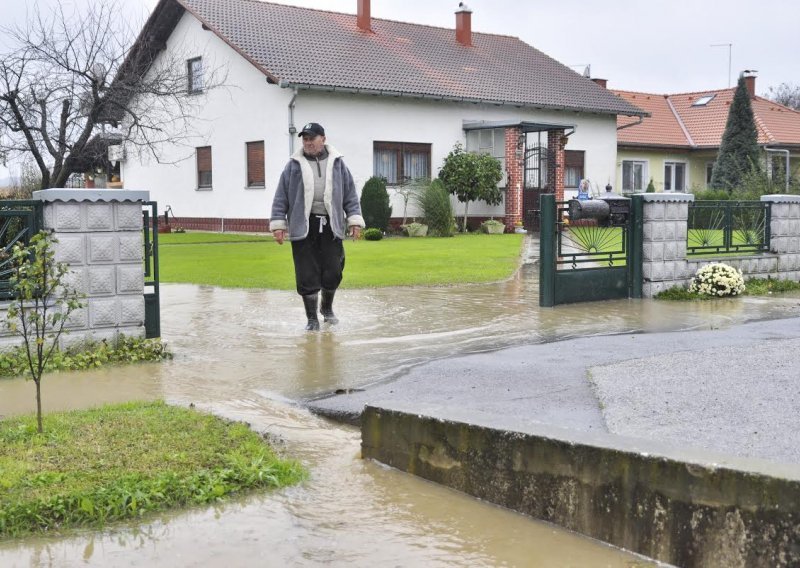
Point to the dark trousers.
(318, 259)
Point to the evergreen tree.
(375, 205)
(739, 153)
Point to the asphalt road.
(735, 391)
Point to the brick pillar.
(515, 164)
(555, 162)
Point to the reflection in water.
(244, 354)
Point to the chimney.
(750, 82)
(601, 82)
(363, 19)
(464, 25)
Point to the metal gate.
(152, 305)
(534, 177)
(583, 261)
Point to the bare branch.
(72, 83)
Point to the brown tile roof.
(324, 49)
(703, 126)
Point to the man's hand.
(355, 232)
(279, 235)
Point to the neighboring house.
(394, 98)
(677, 145)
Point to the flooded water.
(244, 355)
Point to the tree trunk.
(466, 208)
(39, 405)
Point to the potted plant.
(493, 227)
(518, 228)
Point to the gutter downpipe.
(786, 171)
(284, 84)
(641, 118)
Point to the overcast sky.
(660, 46)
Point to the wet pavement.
(243, 354)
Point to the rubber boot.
(310, 303)
(326, 309)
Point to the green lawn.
(118, 462)
(245, 261)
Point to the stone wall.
(665, 263)
(99, 236)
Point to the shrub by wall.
(375, 206)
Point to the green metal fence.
(19, 221)
(725, 227)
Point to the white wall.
(249, 109)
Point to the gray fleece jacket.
(295, 194)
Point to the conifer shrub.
(375, 206)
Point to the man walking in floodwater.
(315, 205)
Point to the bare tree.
(72, 83)
(786, 94)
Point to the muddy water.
(244, 355)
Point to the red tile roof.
(321, 49)
(685, 125)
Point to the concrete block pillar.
(100, 237)
(785, 233)
(664, 231)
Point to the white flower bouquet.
(717, 279)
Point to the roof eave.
(452, 98)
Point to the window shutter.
(204, 166)
(255, 164)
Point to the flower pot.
(417, 230)
(521, 230)
(494, 228)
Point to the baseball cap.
(313, 128)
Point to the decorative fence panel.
(724, 227)
(19, 221)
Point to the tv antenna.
(730, 49)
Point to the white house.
(394, 98)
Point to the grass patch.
(125, 350)
(209, 238)
(765, 286)
(370, 264)
(119, 462)
(681, 294)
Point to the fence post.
(635, 246)
(547, 256)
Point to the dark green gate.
(584, 261)
(152, 305)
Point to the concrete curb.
(677, 507)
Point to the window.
(703, 101)
(633, 174)
(195, 75)
(490, 141)
(709, 173)
(674, 176)
(204, 167)
(573, 167)
(401, 162)
(255, 164)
